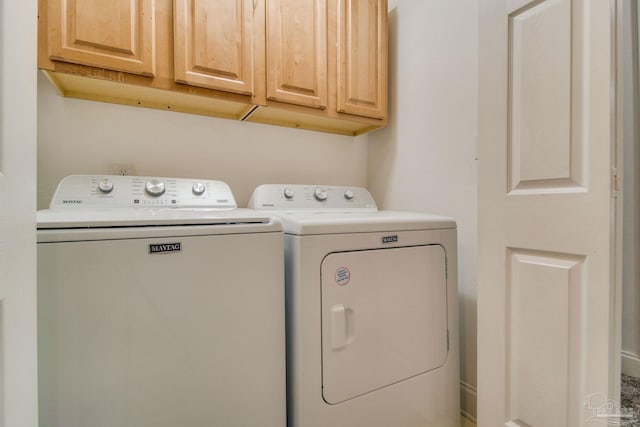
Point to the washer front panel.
(163, 332)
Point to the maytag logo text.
(163, 248)
(390, 239)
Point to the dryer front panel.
(384, 318)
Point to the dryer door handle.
(342, 327)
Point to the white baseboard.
(468, 401)
(631, 364)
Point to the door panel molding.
(217, 44)
(546, 142)
(362, 60)
(297, 52)
(545, 330)
(117, 35)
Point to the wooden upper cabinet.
(297, 52)
(362, 57)
(311, 64)
(116, 34)
(219, 44)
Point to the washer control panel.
(312, 197)
(116, 191)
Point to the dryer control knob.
(154, 187)
(320, 194)
(349, 194)
(198, 189)
(288, 193)
(105, 186)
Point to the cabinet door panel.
(117, 34)
(297, 52)
(362, 57)
(216, 43)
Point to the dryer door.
(384, 318)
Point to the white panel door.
(545, 313)
(18, 378)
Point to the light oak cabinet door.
(219, 44)
(362, 57)
(116, 34)
(297, 52)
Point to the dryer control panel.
(312, 197)
(116, 191)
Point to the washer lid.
(111, 218)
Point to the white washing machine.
(372, 326)
(159, 304)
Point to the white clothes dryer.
(159, 304)
(372, 319)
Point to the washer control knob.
(320, 194)
(288, 193)
(198, 189)
(349, 194)
(105, 186)
(154, 187)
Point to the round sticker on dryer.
(343, 276)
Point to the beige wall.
(76, 137)
(425, 159)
